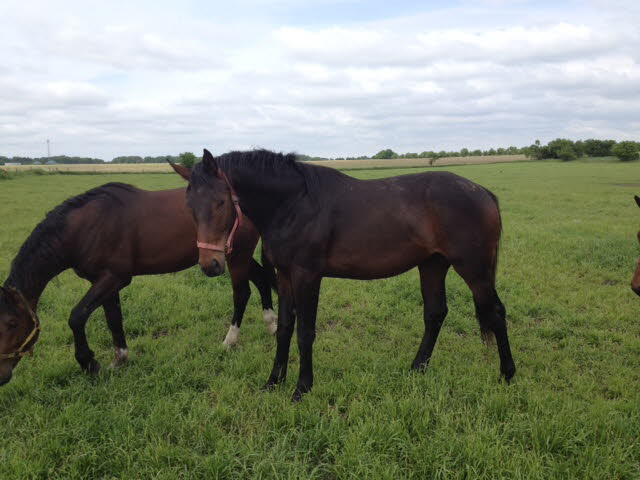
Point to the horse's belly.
(367, 264)
(166, 262)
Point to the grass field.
(186, 408)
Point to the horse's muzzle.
(5, 379)
(214, 269)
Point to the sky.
(328, 78)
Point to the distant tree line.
(43, 160)
(567, 150)
(560, 148)
(465, 152)
(139, 159)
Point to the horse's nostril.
(217, 267)
(5, 380)
(214, 269)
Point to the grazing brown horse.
(108, 235)
(318, 222)
(635, 282)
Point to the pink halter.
(227, 248)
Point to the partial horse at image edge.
(635, 281)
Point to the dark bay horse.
(108, 235)
(318, 222)
(635, 282)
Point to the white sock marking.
(122, 355)
(271, 319)
(232, 336)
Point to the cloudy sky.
(321, 77)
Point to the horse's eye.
(221, 203)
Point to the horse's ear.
(184, 172)
(637, 199)
(209, 162)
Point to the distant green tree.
(567, 153)
(598, 148)
(561, 148)
(626, 151)
(513, 150)
(187, 159)
(386, 154)
(464, 152)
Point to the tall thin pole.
(48, 152)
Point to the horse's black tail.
(270, 271)
(487, 333)
(495, 257)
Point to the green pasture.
(184, 407)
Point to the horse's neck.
(262, 198)
(31, 276)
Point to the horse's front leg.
(239, 271)
(286, 322)
(306, 289)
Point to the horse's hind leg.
(113, 313)
(491, 316)
(241, 293)
(260, 278)
(432, 282)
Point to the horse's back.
(132, 231)
(384, 227)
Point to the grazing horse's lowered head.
(19, 330)
(635, 283)
(212, 201)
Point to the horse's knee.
(78, 319)
(434, 318)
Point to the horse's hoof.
(93, 367)
(232, 336)
(269, 386)
(509, 374)
(271, 319)
(419, 367)
(298, 393)
(122, 355)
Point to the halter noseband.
(24, 348)
(227, 248)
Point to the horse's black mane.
(41, 243)
(266, 164)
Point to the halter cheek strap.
(25, 349)
(227, 248)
